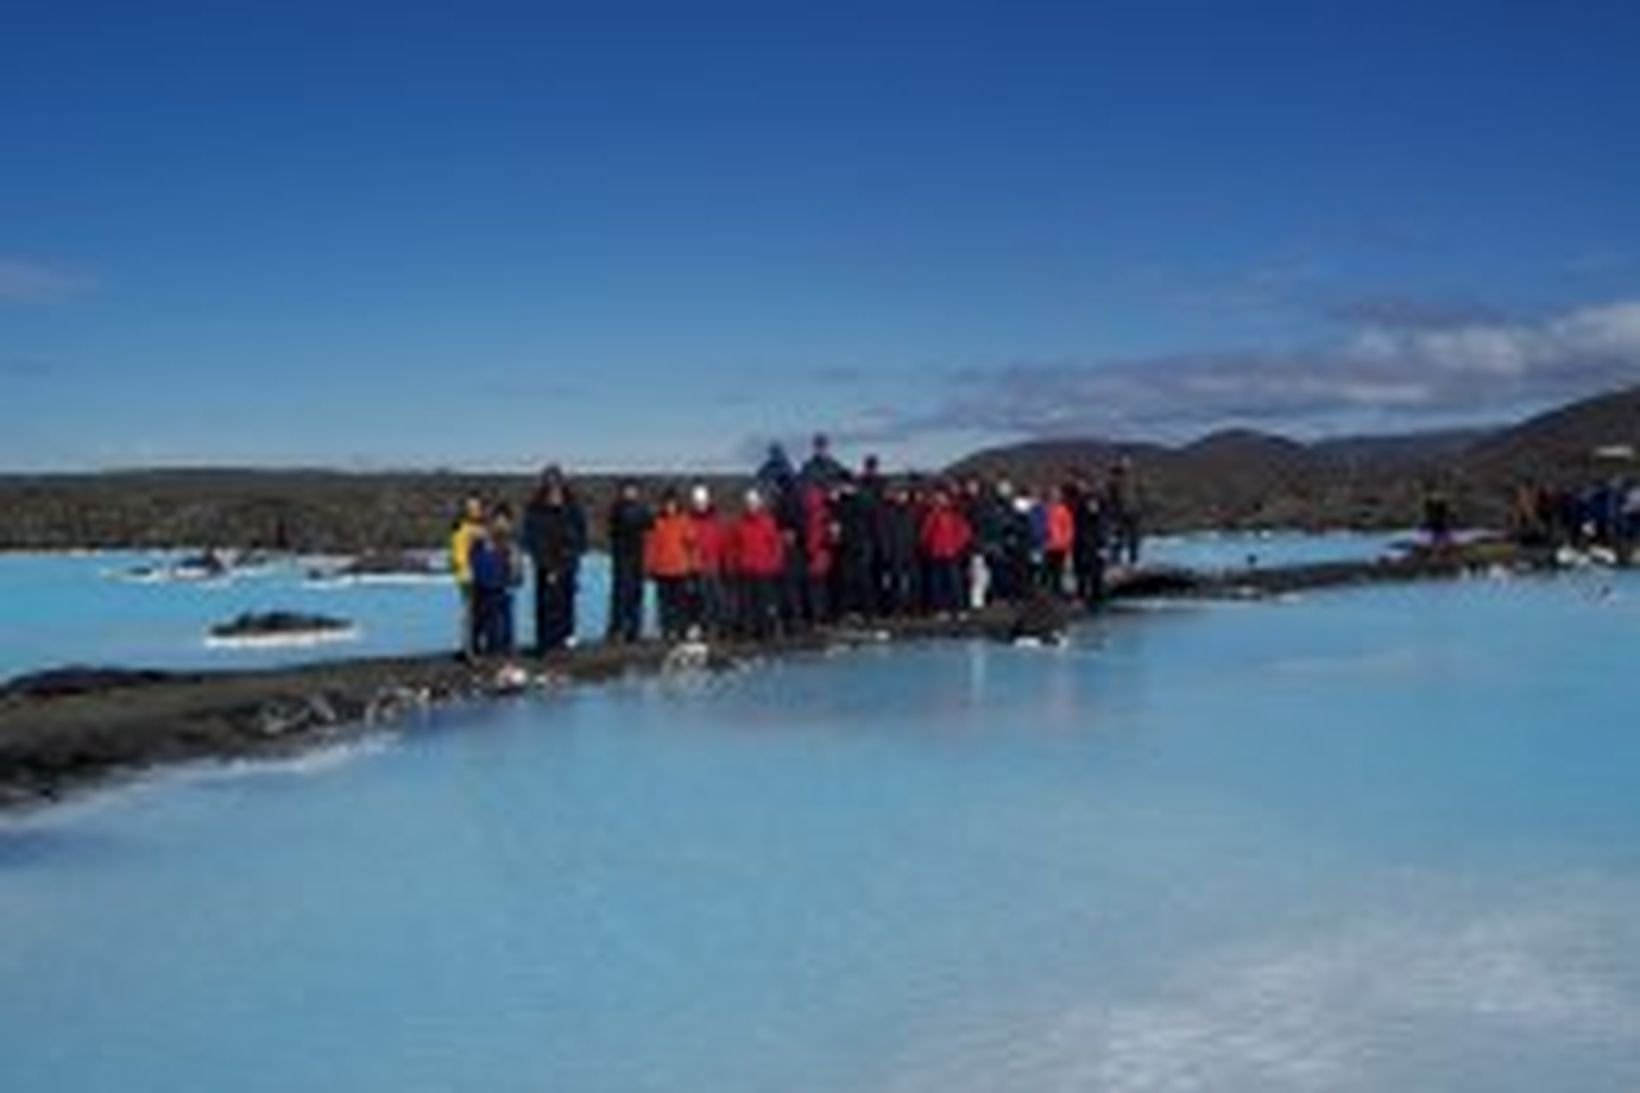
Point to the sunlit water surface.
(1377, 840)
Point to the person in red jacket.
(819, 550)
(757, 555)
(1057, 543)
(944, 540)
(711, 544)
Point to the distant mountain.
(1561, 445)
(1232, 478)
(1242, 477)
(1438, 447)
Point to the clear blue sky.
(620, 234)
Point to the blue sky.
(621, 235)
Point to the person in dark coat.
(1088, 551)
(986, 514)
(897, 536)
(629, 523)
(1124, 504)
(1012, 579)
(822, 468)
(555, 537)
(856, 516)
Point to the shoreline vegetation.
(74, 729)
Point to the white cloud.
(1396, 361)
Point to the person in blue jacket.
(496, 572)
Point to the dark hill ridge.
(1232, 478)
(1242, 477)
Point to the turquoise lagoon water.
(1384, 839)
(86, 609)
(83, 609)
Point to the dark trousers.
(859, 595)
(711, 605)
(493, 619)
(945, 584)
(1053, 571)
(469, 620)
(672, 597)
(1129, 536)
(820, 600)
(1090, 579)
(759, 606)
(900, 588)
(554, 608)
(626, 600)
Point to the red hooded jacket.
(711, 542)
(945, 534)
(756, 548)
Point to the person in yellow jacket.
(469, 526)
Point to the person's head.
(754, 501)
(700, 498)
(501, 516)
(551, 488)
(873, 466)
(1005, 489)
(629, 489)
(822, 444)
(472, 509)
(777, 452)
(669, 501)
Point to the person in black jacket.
(897, 544)
(1090, 544)
(555, 537)
(629, 522)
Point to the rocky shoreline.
(71, 729)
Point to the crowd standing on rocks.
(803, 547)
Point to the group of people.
(804, 546)
(1605, 514)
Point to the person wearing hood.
(629, 523)
(555, 538)
(670, 560)
(757, 554)
(711, 604)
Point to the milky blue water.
(1375, 840)
(87, 609)
(60, 609)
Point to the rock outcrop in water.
(280, 624)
